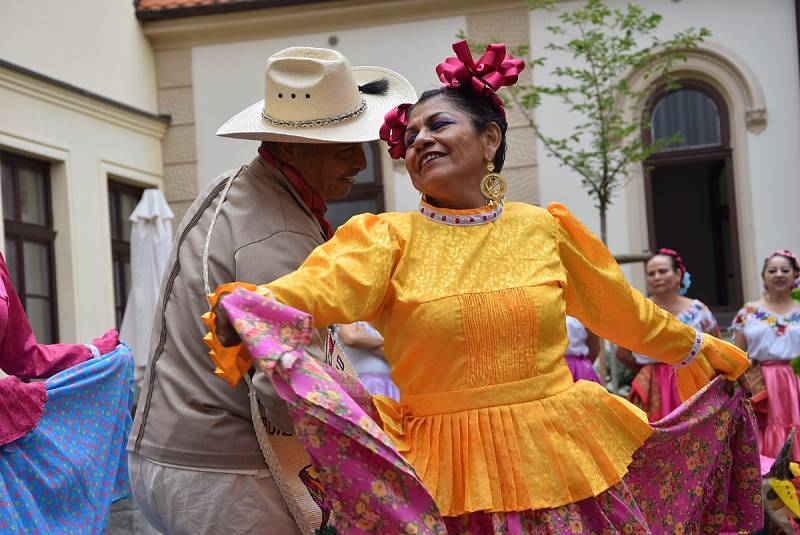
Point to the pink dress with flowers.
(772, 341)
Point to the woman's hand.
(355, 335)
(108, 342)
(225, 331)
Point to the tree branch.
(552, 150)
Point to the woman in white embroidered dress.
(654, 388)
(769, 330)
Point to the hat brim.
(249, 124)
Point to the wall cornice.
(327, 17)
(63, 95)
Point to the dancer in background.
(769, 330)
(582, 351)
(654, 389)
(363, 345)
(62, 440)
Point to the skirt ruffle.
(63, 476)
(532, 455)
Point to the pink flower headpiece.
(674, 254)
(493, 70)
(787, 254)
(393, 130)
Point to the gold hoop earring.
(493, 186)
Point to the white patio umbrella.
(151, 239)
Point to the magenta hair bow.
(785, 253)
(674, 254)
(393, 130)
(494, 69)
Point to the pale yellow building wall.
(97, 45)
(85, 142)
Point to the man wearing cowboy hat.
(195, 462)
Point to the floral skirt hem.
(615, 510)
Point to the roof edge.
(166, 119)
(216, 9)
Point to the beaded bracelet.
(698, 341)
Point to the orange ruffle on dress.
(474, 326)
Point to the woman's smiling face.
(445, 156)
(779, 275)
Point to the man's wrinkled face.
(330, 169)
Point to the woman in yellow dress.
(470, 294)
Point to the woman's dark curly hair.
(481, 110)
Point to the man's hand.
(225, 331)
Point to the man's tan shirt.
(186, 415)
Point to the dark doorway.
(690, 192)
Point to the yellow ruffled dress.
(474, 323)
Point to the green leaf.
(604, 44)
(796, 364)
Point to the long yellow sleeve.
(345, 279)
(597, 294)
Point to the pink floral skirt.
(779, 412)
(698, 472)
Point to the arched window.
(690, 113)
(366, 195)
(690, 190)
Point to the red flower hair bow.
(494, 69)
(674, 254)
(393, 130)
(786, 254)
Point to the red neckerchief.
(314, 202)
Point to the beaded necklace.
(460, 218)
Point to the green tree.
(605, 45)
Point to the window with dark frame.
(690, 191)
(122, 200)
(366, 195)
(29, 240)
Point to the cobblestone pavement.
(127, 520)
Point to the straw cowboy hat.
(313, 95)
